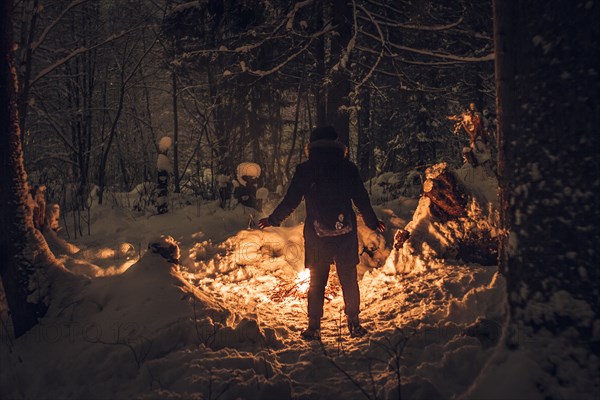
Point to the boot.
(313, 332)
(355, 328)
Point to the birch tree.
(25, 260)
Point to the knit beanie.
(323, 132)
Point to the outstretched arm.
(292, 199)
(363, 203)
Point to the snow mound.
(114, 336)
(248, 169)
(164, 164)
(164, 144)
(166, 247)
(91, 262)
(384, 187)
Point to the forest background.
(232, 81)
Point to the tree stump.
(447, 201)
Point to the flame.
(303, 280)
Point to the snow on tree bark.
(24, 254)
(547, 86)
(337, 94)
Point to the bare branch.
(77, 52)
(381, 52)
(47, 30)
(351, 43)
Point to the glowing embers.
(298, 287)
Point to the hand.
(381, 226)
(263, 223)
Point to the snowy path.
(419, 318)
(213, 330)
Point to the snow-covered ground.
(226, 322)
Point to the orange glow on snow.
(303, 280)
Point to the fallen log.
(447, 201)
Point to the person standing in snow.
(329, 183)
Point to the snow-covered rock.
(164, 144)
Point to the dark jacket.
(326, 157)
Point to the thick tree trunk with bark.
(547, 85)
(27, 60)
(337, 95)
(25, 281)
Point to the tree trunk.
(364, 136)
(221, 134)
(320, 93)
(177, 189)
(337, 95)
(25, 281)
(25, 85)
(106, 147)
(254, 125)
(294, 133)
(552, 141)
(547, 85)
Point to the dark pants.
(319, 273)
(319, 254)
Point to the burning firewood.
(298, 287)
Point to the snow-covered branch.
(77, 52)
(290, 16)
(435, 54)
(351, 43)
(398, 57)
(291, 57)
(382, 20)
(261, 73)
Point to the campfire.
(297, 288)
